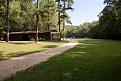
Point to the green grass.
(19, 48)
(91, 60)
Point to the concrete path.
(9, 67)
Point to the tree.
(63, 6)
(22, 15)
(110, 18)
(37, 21)
(7, 20)
(2, 17)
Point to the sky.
(85, 11)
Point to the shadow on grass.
(17, 54)
(1, 56)
(50, 46)
(21, 53)
(20, 43)
(2, 42)
(89, 61)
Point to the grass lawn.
(91, 60)
(19, 48)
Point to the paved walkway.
(9, 67)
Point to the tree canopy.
(22, 15)
(108, 26)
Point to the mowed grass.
(19, 48)
(91, 60)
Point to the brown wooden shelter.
(30, 35)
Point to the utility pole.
(7, 20)
(37, 22)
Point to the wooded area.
(108, 26)
(83, 59)
(49, 15)
(29, 15)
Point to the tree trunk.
(7, 20)
(48, 25)
(59, 21)
(59, 15)
(37, 22)
(64, 18)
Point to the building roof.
(34, 32)
(29, 32)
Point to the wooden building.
(30, 35)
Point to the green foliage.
(48, 14)
(22, 15)
(2, 16)
(109, 24)
(84, 30)
(110, 19)
(63, 6)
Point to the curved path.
(9, 67)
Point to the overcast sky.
(86, 11)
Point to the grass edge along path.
(14, 65)
(19, 48)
